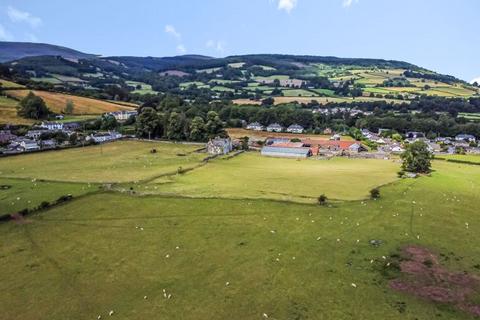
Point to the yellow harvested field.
(56, 102)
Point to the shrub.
(322, 200)
(375, 193)
(44, 205)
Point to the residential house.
(71, 126)
(274, 127)
(56, 126)
(465, 137)
(29, 145)
(122, 115)
(105, 136)
(6, 136)
(413, 135)
(295, 128)
(219, 146)
(35, 134)
(48, 144)
(255, 126)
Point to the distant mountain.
(10, 51)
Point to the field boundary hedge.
(459, 161)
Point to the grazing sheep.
(111, 313)
(354, 285)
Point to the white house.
(295, 128)
(52, 125)
(35, 134)
(219, 146)
(105, 136)
(465, 137)
(274, 127)
(122, 115)
(255, 126)
(29, 145)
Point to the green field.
(253, 176)
(298, 93)
(144, 88)
(238, 259)
(29, 193)
(123, 161)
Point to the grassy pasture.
(144, 88)
(85, 258)
(57, 101)
(199, 84)
(8, 112)
(298, 93)
(222, 89)
(122, 161)
(29, 193)
(253, 176)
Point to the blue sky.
(442, 35)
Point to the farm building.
(334, 146)
(274, 127)
(295, 128)
(219, 146)
(286, 152)
(255, 126)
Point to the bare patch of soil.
(422, 275)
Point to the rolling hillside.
(243, 79)
(57, 101)
(10, 51)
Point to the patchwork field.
(5, 84)
(153, 257)
(123, 161)
(57, 101)
(253, 176)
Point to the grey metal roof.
(302, 151)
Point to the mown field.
(253, 176)
(157, 257)
(57, 101)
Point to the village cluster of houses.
(440, 145)
(34, 139)
(275, 127)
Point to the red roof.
(322, 144)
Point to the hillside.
(245, 79)
(56, 102)
(10, 51)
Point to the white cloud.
(172, 31)
(31, 37)
(181, 49)
(22, 16)
(216, 45)
(477, 80)
(348, 3)
(287, 5)
(4, 34)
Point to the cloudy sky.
(443, 35)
